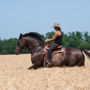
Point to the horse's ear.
(21, 35)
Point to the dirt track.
(14, 75)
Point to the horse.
(33, 42)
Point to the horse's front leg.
(44, 63)
(33, 67)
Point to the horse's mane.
(36, 36)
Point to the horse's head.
(21, 44)
(33, 41)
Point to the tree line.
(73, 39)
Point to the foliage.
(8, 46)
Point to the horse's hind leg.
(82, 62)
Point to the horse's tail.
(86, 52)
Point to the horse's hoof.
(29, 68)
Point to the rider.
(58, 41)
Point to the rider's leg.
(52, 48)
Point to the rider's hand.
(46, 40)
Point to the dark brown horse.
(70, 57)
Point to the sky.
(23, 16)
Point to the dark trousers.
(52, 48)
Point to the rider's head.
(57, 27)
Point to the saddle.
(58, 50)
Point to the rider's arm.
(54, 37)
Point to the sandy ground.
(14, 75)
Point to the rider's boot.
(48, 63)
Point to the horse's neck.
(34, 47)
(37, 50)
